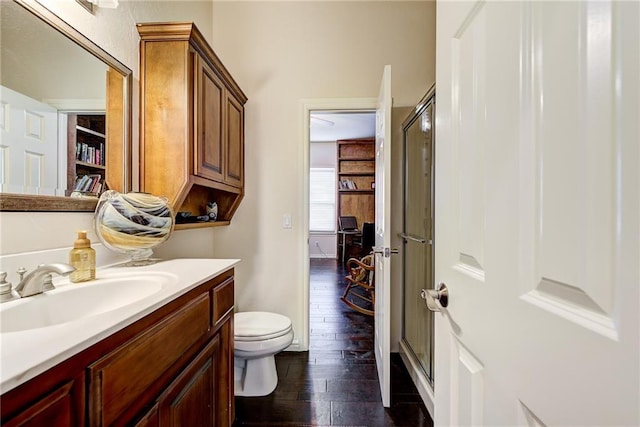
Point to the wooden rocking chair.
(360, 291)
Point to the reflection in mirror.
(64, 114)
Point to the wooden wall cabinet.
(191, 122)
(172, 367)
(356, 178)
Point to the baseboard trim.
(295, 346)
(327, 256)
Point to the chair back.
(368, 236)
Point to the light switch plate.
(286, 221)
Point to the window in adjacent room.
(322, 200)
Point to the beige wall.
(281, 53)
(115, 31)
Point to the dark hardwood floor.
(335, 383)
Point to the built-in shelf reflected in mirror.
(64, 114)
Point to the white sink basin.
(76, 301)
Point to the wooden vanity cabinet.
(192, 122)
(172, 367)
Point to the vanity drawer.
(222, 299)
(124, 376)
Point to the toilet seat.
(259, 326)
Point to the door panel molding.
(467, 384)
(571, 195)
(469, 139)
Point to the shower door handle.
(436, 299)
(413, 238)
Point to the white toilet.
(258, 336)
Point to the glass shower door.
(418, 234)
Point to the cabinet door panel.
(225, 393)
(126, 376)
(150, 419)
(191, 399)
(235, 142)
(58, 408)
(222, 300)
(209, 150)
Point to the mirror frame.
(10, 202)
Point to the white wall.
(322, 155)
(281, 53)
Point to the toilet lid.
(260, 325)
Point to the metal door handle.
(436, 299)
(385, 252)
(412, 238)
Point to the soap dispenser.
(83, 258)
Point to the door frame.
(308, 106)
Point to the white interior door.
(537, 217)
(382, 337)
(29, 145)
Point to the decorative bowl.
(133, 223)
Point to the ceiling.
(332, 126)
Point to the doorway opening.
(321, 245)
(336, 188)
(340, 176)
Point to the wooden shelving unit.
(356, 177)
(86, 154)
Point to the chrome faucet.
(34, 282)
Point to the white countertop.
(28, 353)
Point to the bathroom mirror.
(64, 114)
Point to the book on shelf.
(89, 154)
(91, 183)
(347, 184)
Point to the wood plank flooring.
(335, 383)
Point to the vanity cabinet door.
(61, 407)
(209, 150)
(191, 399)
(150, 419)
(121, 381)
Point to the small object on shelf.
(84, 195)
(212, 210)
(187, 218)
(133, 223)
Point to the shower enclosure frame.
(422, 379)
